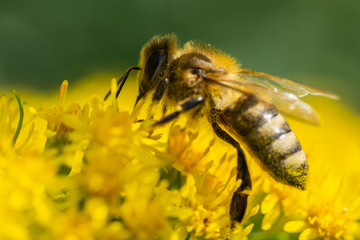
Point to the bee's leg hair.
(121, 81)
(190, 104)
(239, 199)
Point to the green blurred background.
(43, 42)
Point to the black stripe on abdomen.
(270, 138)
(247, 114)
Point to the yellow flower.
(23, 201)
(86, 170)
(209, 182)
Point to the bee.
(242, 106)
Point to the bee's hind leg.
(239, 199)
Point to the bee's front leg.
(121, 82)
(239, 199)
(188, 105)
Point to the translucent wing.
(278, 84)
(283, 93)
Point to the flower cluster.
(91, 171)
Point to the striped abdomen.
(269, 137)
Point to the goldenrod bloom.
(89, 171)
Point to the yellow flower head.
(91, 171)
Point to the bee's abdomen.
(270, 138)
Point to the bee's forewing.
(292, 105)
(279, 84)
(283, 93)
(286, 102)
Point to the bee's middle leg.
(239, 199)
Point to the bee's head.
(186, 75)
(153, 61)
(194, 67)
(191, 67)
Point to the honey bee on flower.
(242, 106)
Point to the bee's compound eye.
(152, 63)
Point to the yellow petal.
(248, 229)
(254, 211)
(270, 218)
(63, 90)
(309, 233)
(269, 203)
(294, 226)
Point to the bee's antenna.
(121, 81)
